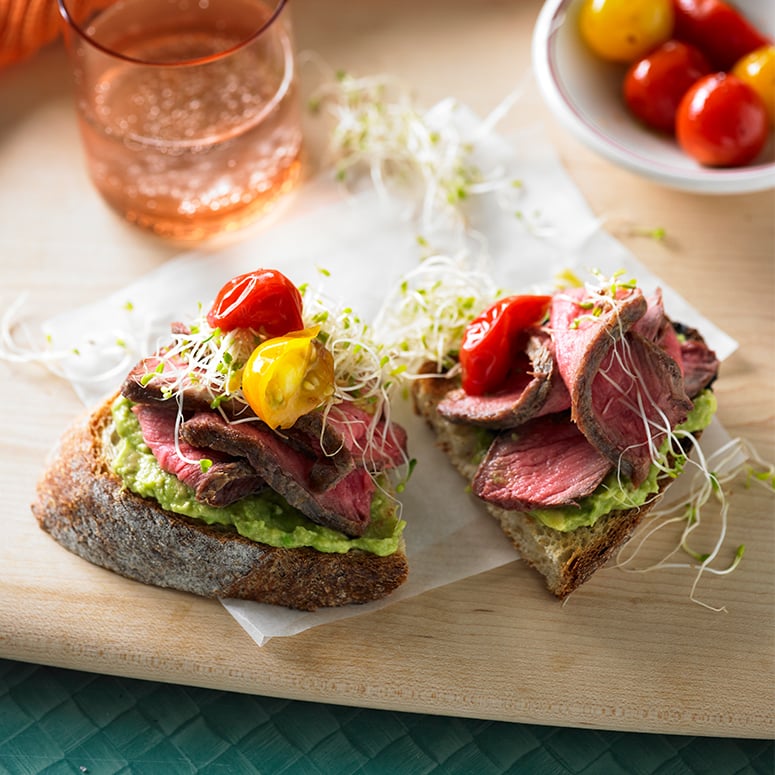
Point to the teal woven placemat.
(65, 721)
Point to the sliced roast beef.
(669, 342)
(502, 409)
(373, 443)
(534, 389)
(545, 462)
(339, 441)
(151, 380)
(700, 364)
(225, 481)
(657, 327)
(625, 388)
(685, 345)
(654, 321)
(346, 506)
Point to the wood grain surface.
(627, 652)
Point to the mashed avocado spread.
(610, 496)
(266, 517)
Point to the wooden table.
(628, 653)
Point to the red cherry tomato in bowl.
(654, 85)
(720, 31)
(722, 122)
(264, 300)
(487, 350)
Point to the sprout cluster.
(424, 317)
(379, 130)
(711, 489)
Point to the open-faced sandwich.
(250, 457)
(569, 414)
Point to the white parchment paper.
(367, 244)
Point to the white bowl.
(584, 93)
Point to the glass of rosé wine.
(188, 109)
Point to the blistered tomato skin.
(625, 30)
(757, 69)
(486, 352)
(264, 300)
(722, 122)
(654, 85)
(719, 30)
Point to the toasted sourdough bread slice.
(565, 559)
(84, 506)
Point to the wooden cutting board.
(627, 652)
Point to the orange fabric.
(26, 26)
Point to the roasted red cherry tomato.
(722, 121)
(654, 85)
(720, 31)
(264, 300)
(625, 30)
(487, 350)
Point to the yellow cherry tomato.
(757, 69)
(625, 30)
(287, 377)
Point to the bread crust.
(85, 508)
(566, 560)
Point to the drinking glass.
(188, 109)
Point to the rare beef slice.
(626, 390)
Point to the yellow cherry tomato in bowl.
(287, 377)
(757, 69)
(625, 30)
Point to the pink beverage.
(195, 128)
